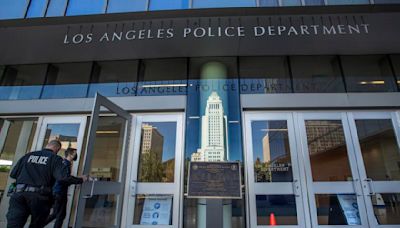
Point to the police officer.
(60, 191)
(35, 174)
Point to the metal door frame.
(110, 187)
(295, 188)
(133, 187)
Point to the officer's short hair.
(54, 143)
(69, 151)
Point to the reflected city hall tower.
(214, 138)
(214, 132)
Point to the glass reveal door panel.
(101, 198)
(155, 176)
(378, 152)
(273, 173)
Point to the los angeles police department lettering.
(41, 160)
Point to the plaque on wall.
(214, 180)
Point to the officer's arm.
(15, 171)
(61, 173)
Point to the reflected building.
(152, 141)
(213, 132)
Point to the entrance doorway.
(310, 169)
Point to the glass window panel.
(67, 134)
(368, 74)
(167, 5)
(222, 3)
(347, 2)
(100, 211)
(337, 209)
(22, 82)
(37, 8)
(396, 66)
(10, 9)
(316, 74)
(327, 150)
(118, 6)
(264, 75)
(269, 3)
(16, 137)
(157, 152)
(56, 8)
(291, 2)
(114, 78)
(163, 77)
(314, 2)
(67, 80)
(386, 1)
(108, 148)
(379, 149)
(386, 208)
(153, 210)
(271, 151)
(84, 7)
(280, 209)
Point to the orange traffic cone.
(272, 220)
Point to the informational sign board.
(214, 180)
(350, 208)
(157, 211)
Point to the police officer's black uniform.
(35, 175)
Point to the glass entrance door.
(69, 130)
(347, 167)
(377, 139)
(155, 177)
(274, 178)
(333, 181)
(101, 199)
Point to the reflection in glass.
(327, 150)
(271, 151)
(316, 74)
(280, 209)
(222, 3)
(314, 2)
(67, 80)
(371, 73)
(56, 8)
(100, 211)
(291, 3)
(16, 137)
(386, 208)
(395, 60)
(153, 210)
(22, 82)
(10, 9)
(162, 77)
(264, 75)
(337, 209)
(347, 2)
(67, 134)
(157, 152)
(37, 8)
(379, 149)
(84, 7)
(268, 2)
(114, 78)
(108, 148)
(168, 5)
(118, 6)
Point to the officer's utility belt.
(26, 188)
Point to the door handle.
(296, 187)
(91, 190)
(133, 188)
(371, 191)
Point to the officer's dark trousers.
(59, 210)
(23, 204)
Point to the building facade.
(304, 94)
